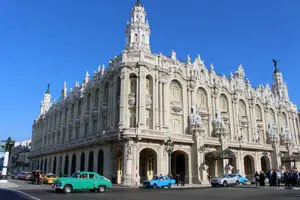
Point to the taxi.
(49, 178)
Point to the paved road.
(12, 195)
(164, 194)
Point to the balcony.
(176, 106)
(132, 100)
(148, 101)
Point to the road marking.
(35, 198)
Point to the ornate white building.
(119, 121)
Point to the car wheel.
(225, 184)
(101, 188)
(67, 189)
(213, 185)
(154, 186)
(237, 182)
(169, 185)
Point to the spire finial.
(138, 3)
(48, 89)
(275, 65)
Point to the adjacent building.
(19, 157)
(121, 121)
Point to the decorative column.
(127, 177)
(196, 127)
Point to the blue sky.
(56, 40)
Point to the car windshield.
(76, 175)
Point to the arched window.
(100, 162)
(258, 113)
(88, 102)
(96, 103)
(106, 93)
(132, 120)
(175, 127)
(79, 107)
(133, 84)
(223, 103)
(91, 162)
(82, 162)
(73, 164)
(272, 117)
(136, 38)
(66, 168)
(242, 109)
(176, 91)
(201, 98)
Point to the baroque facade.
(118, 122)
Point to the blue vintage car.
(160, 181)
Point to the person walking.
(278, 178)
(182, 178)
(262, 179)
(256, 179)
(177, 179)
(274, 179)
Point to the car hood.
(217, 179)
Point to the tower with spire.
(45, 104)
(138, 31)
(279, 87)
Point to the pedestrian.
(278, 178)
(177, 179)
(256, 179)
(182, 178)
(274, 179)
(285, 178)
(262, 179)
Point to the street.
(230, 193)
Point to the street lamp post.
(169, 149)
(7, 148)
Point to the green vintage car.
(82, 181)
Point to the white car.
(230, 179)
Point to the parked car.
(82, 181)
(230, 179)
(49, 178)
(242, 179)
(20, 175)
(27, 176)
(160, 181)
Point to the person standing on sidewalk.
(177, 179)
(262, 179)
(256, 179)
(182, 178)
(278, 178)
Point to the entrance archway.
(45, 165)
(265, 164)
(73, 164)
(100, 162)
(91, 162)
(179, 163)
(54, 166)
(42, 164)
(60, 166)
(119, 167)
(66, 167)
(148, 164)
(249, 166)
(82, 161)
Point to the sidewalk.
(253, 186)
(8, 185)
